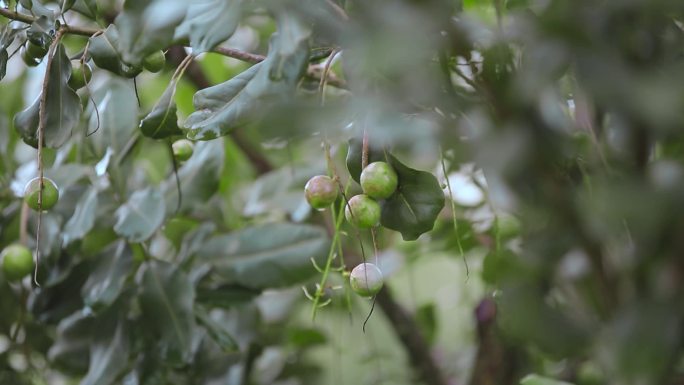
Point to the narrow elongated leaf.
(83, 219)
(167, 294)
(209, 22)
(141, 216)
(215, 330)
(62, 107)
(107, 280)
(109, 349)
(414, 207)
(104, 49)
(199, 176)
(162, 121)
(225, 106)
(146, 26)
(254, 260)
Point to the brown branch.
(195, 74)
(28, 19)
(240, 55)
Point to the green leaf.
(353, 160)
(106, 282)
(426, 318)
(41, 31)
(104, 49)
(109, 349)
(162, 121)
(83, 219)
(199, 176)
(253, 260)
(414, 207)
(141, 216)
(146, 26)
(118, 116)
(62, 107)
(209, 22)
(226, 296)
(534, 379)
(69, 352)
(228, 105)
(87, 8)
(216, 330)
(166, 293)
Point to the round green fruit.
(362, 211)
(28, 59)
(32, 193)
(182, 149)
(320, 192)
(154, 62)
(366, 280)
(17, 262)
(80, 75)
(35, 51)
(379, 180)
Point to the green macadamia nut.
(379, 180)
(362, 211)
(32, 194)
(320, 191)
(154, 62)
(182, 149)
(366, 279)
(80, 75)
(17, 262)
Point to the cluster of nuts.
(378, 181)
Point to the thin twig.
(42, 121)
(240, 55)
(28, 19)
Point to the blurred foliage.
(559, 125)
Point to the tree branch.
(28, 19)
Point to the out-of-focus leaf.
(426, 318)
(162, 121)
(226, 296)
(199, 176)
(534, 379)
(83, 219)
(166, 293)
(209, 22)
(215, 330)
(70, 350)
(251, 259)
(118, 116)
(6, 39)
(303, 338)
(105, 53)
(108, 276)
(62, 107)
(87, 8)
(141, 216)
(109, 349)
(146, 26)
(414, 207)
(225, 106)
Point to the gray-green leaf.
(225, 106)
(166, 293)
(414, 207)
(62, 107)
(209, 22)
(106, 281)
(271, 255)
(83, 219)
(162, 121)
(141, 216)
